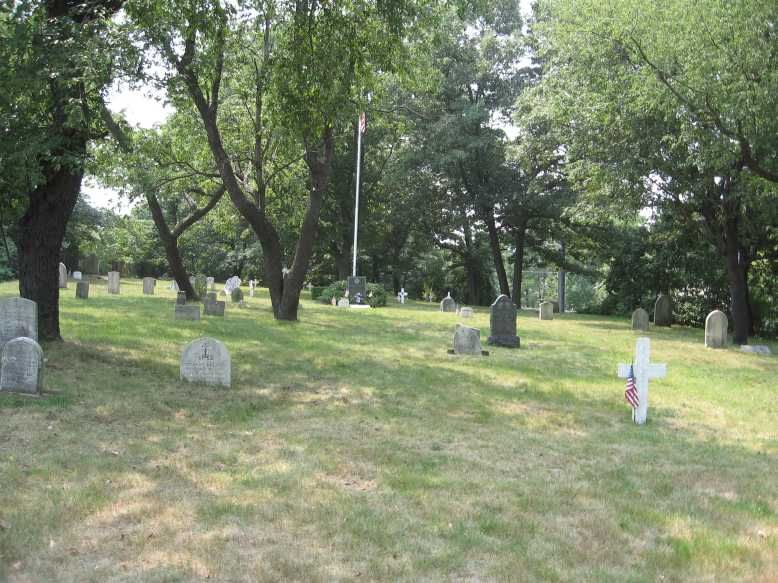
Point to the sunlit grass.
(352, 447)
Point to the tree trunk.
(518, 264)
(738, 288)
(342, 265)
(494, 243)
(41, 231)
(170, 243)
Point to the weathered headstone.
(663, 311)
(82, 290)
(192, 281)
(762, 349)
(214, 308)
(716, 325)
(210, 296)
(642, 370)
(356, 284)
(21, 366)
(231, 284)
(211, 282)
(466, 312)
(78, 276)
(467, 340)
(546, 311)
(206, 360)
(343, 303)
(181, 298)
(640, 320)
(200, 285)
(448, 304)
(187, 312)
(18, 317)
(63, 276)
(252, 285)
(502, 321)
(149, 283)
(113, 282)
(236, 295)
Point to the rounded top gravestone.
(546, 311)
(21, 366)
(206, 360)
(63, 276)
(640, 320)
(18, 317)
(663, 311)
(237, 295)
(448, 304)
(716, 325)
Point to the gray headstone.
(555, 303)
(82, 290)
(63, 276)
(467, 340)
(214, 308)
(21, 366)
(210, 282)
(546, 311)
(716, 325)
(236, 295)
(206, 360)
(200, 285)
(18, 317)
(343, 303)
(148, 285)
(113, 282)
(502, 323)
(77, 275)
(210, 296)
(663, 311)
(448, 305)
(192, 281)
(187, 312)
(181, 298)
(756, 349)
(356, 285)
(466, 312)
(640, 320)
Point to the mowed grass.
(351, 447)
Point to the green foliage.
(316, 291)
(336, 289)
(376, 293)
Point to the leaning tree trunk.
(41, 231)
(494, 244)
(738, 288)
(518, 265)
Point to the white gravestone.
(644, 371)
(466, 312)
(63, 276)
(21, 366)
(78, 276)
(206, 360)
(716, 325)
(343, 303)
(210, 282)
(18, 317)
(402, 295)
(231, 284)
(252, 284)
(546, 311)
(448, 304)
(113, 282)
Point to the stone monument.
(18, 317)
(663, 311)
(200, 285)
(214, 307)
(467, 340)
(211, 283)
(401, 295)
(642, 370)
(63, 276)
(546, 311)
(187, 312)
(236, 295)
(113, 282)
(640, 320)
(78, 276)
(466, 312)
(206, 360)
(502, 323)
(181, 298)
(448, 304)
(21, 366)
(149, 283)
(82, 290)
(356, 284)
(716, 325)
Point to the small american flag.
(362, 123)
(631, 392)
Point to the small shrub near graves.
(378, 292)
(316, 292)
(337, 289)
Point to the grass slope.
(352, 447)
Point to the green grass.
(351, 447)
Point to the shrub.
(316, 291)
(338, 290)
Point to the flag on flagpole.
(362, 123)
(631, 392)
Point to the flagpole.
(356, 204)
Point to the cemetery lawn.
(351, 447)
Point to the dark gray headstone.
(181, 298)
(663, 311)
(236, 295)
(63, 276)
(214, 308)
(82, 290)
(187, 312)
(640, 320)
(502, 323)
(357, 285)
(18, 317)
(21, 366)
(206, 360)
(467, 340)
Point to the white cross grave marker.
(402, 295)
(644, 371)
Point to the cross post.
(644, 371)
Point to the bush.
(338, 290)
(334, 290)
(378, 291)
(316, 291)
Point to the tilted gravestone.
(640, 320)
(546, 311)
(149, 283)
(206, 360)
(467, 340)
(663, 311)
(18, 317)
(187, 312)
(716, 325)
(181, 298)
(214, 308)
(113, 282)
(200, 285)
(448, 304)
(502, 322)
(236, 295)
(82, 290)
(21, 366)
(63, 276)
